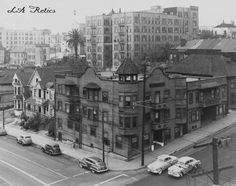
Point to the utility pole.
(215, 170)
(143, 117)
(103, 145)
(215, 161)
(3, 118)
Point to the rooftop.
(128, 67)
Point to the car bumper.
(153, 171)
(174, 174)
(101, 170)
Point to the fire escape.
(93, 41)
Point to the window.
(67, 90)
(67, 108)
(93, 131)
(59, 87)
(84, 92)
(105, 96)
(134, 142)
(157, 97)
(190, 99)
(84, 108)
(134, 121)
(118, 142)
(157, 116)
(105, 116)
(127, 123)
(180, 113)
(59, 104)
(197, 97)
(127, 101)
(59, 122)
(70, 124)
(77, 108)
(39, 93)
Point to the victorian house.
(41, 84)
(21, 89)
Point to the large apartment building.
(91, 108)
(13, 38)
(137, 34)
(99, 41)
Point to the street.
(27, 166)
(226, 157)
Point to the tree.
(165, 51)
(75, 38)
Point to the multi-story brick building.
(2, 54)
(137, 34)
(86, 102)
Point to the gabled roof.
(225, 45)
(128, 67)
(205, 64)
(24, 75)
(7, 77)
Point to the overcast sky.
(211, 12)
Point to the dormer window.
(15, 80)
(36, 80)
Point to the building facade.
(14, 38)
(90, 107)
(225, 30)
(18, 56)
(137, 34)
(99, 41)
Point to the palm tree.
(75, 38)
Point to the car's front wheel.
(93, 171)
(160, 171)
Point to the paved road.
(28, 166)
(227, 156)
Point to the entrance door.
(158, 135)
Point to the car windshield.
(27, 137)
(56, 146)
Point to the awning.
(92, 86)
(209, 85)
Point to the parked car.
(94, 164)
(183, 166)
(3, 132)
(24, 140)
(162, 163)
(51, 149)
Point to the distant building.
(2, 54)
(18, 56)
(225, 30)
(113, 37)
(14, 38)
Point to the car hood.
(156, 165)
(176, 168)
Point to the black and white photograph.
(117, 93)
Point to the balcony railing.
(209, 102)
(156, 125)
(162, 104)
(128, 131)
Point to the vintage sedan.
(162, 163)
(183, 166)
(94, 164)
(51, 149)
(24, 140)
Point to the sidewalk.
(184, 142)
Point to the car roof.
(163, 156)
(185, 158)
(25, 135)
(53, 144)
